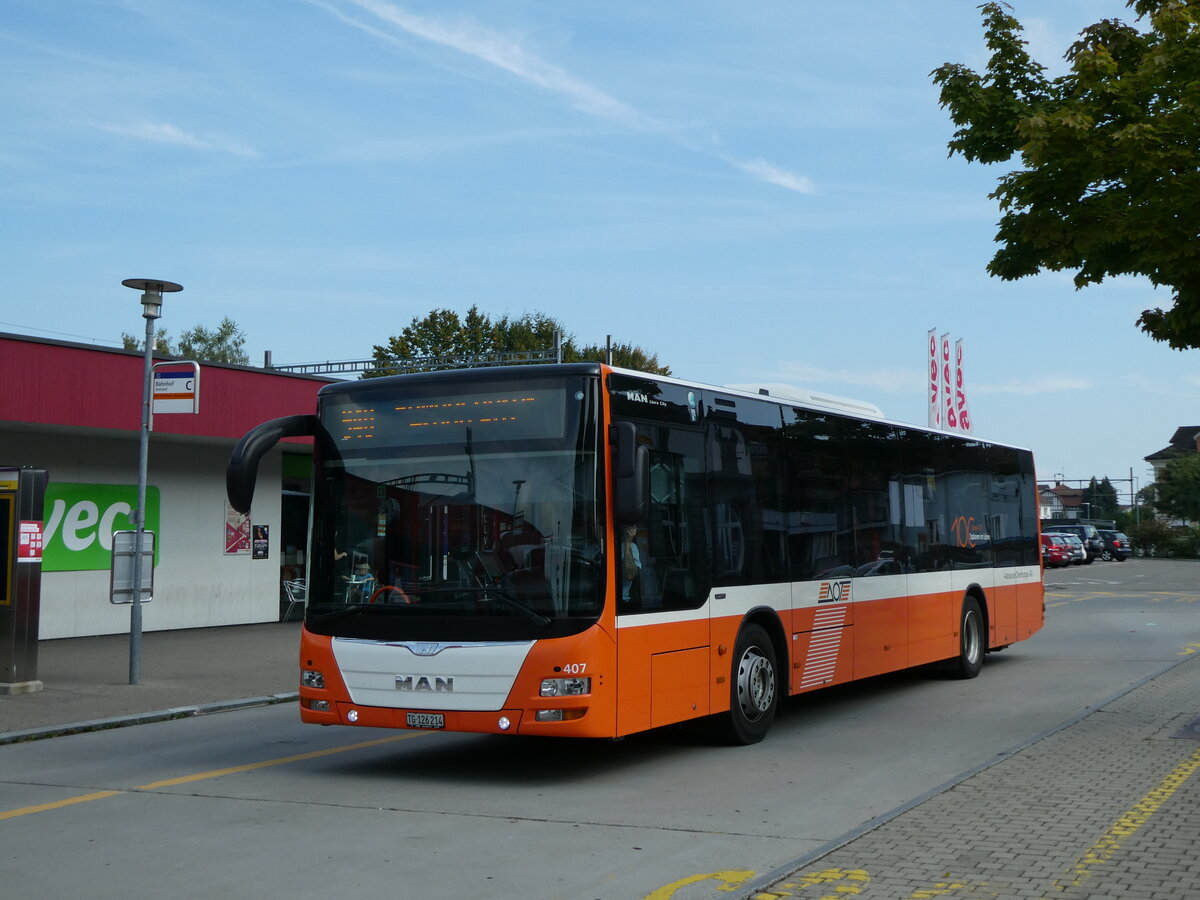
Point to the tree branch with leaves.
(1110, 154)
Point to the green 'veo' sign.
(80, 520)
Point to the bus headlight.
(311, 678)
(565, 687)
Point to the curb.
(161, 715)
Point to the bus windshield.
(457, 510)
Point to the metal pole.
(135, 608)
(152, 297)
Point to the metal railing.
(424, 363)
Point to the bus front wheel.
(971, 642)
(753, 689)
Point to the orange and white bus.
(588, 551)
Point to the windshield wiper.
(352, 610)
(489, 591)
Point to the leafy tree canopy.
(223, 344)
(443, 333)
(1102, 499)
(1178, 488)
(1110, 154)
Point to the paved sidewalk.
(1108, 807)
(86, 680)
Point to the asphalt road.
(254, 803)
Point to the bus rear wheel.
(753, 688)
(971, 642)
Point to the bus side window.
(818, 501)
(745, 491)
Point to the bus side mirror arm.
(242, 472)
(632, 475)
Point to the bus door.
(744, 459)
(661, 564)
(880, 579)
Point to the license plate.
(425, 720)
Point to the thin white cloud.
(772, 174)
(505, 53)
(166, 133)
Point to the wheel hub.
(755, 684)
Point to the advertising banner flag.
(951, 419)
(945, 389)
(931, 360)
(960, 395)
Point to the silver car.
(1078, 553)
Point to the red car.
(1055, 551)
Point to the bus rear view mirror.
(632, 465)
(242, 472)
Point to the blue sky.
(758, 192)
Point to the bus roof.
(778, 393)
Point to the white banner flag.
(960, 395)
(935, 406)
(951, 418)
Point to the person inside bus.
(631, 563)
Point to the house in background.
(1059, 503)
(1185, 441)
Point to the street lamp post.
(152, 290)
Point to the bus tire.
(971, 641)
(753, 688)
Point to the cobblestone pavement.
(1108, 807)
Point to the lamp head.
(152, 290)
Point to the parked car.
(1088, 535)
(1078, 553)
(1116, 545)
(1055, 552)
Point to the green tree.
(442, 334)
(625, 356)
(1178, 492)
(223, 344)
(1102, 499)
(1109, 180)
(162, 342)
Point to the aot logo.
(80, 521)
(834, 592)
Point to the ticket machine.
(22, 495)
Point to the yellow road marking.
(727, 881)
(1126, 826)
(283, 760)
(58, 804)
(204, 776)
(848, 882)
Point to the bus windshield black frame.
(459, 506)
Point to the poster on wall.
(80, 520)
(237, 531)
(261, 541)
